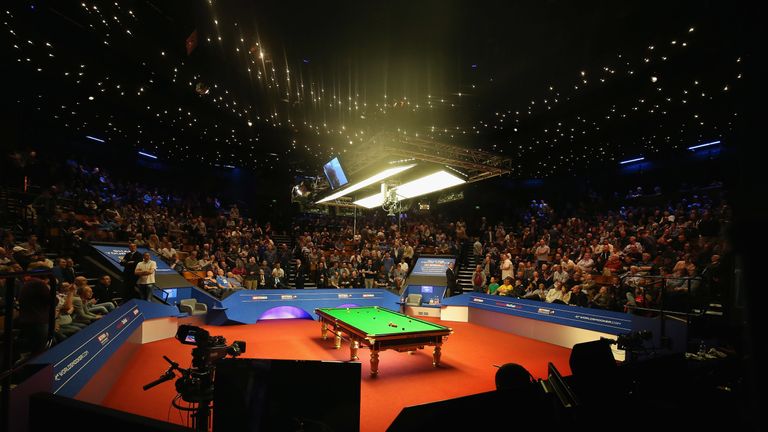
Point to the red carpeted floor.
(467, 367)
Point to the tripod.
(194, 386)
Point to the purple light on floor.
(348, 305)
(285, 312)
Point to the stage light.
(367, 182)
(422, 186)
(704, 145)
(631, 160)
(94, 138)
(151, 156)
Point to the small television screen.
(282, 395)
(335, 174)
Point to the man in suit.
(129, 262)
(450, 277)
(300, 274)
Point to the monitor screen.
(432, 266)
(282, 395)
(335, 174)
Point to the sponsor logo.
(261, 297)
(546, 311)
(71, 365)
(512, 306)
(122, 323)
(103, 338)
(343, 296)
(135, 312)
(478, 300)
(369, 295)
(286, 297)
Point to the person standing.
(129, 262)
(369, 273)
(145, 272)
(478, 279)
(300, 274)
(450, 277)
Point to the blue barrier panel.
(573, 316)
(457, 300)
(80, 356)
(247, 306)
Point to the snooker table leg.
(353, 347)
(374, 362)
(324, 330)
(436, 356)
(337, 343)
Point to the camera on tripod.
(633, 341)
(208, 348)
(195, 385)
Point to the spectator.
(493, 286)
(129, 262)
(145, 271)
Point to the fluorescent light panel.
(704, 145)
(422, 186)
(632, 160)
(94, 138)
(148, 155)
(367, 182)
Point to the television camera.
(633, 342)
(195, 385)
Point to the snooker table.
(380, 329)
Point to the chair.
(192, 307)
(413, 300)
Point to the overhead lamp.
(421, 186)
(389, 172)
(631, 160)
(703, 145)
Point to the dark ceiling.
(557, 86)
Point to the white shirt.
(146, 266)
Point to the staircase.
(466, 267)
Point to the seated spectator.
(586, 263)
(576, 297)
(602, 300)
(222, 282)
(210, 285)
(612, 266)
(556, 293)
(506, 288)
(102, 293)
(191, 263)
(167, 252)
(559, 274)
(333, 281)
(539, 293)
(278, 277)
(262, 280)
(176, 263)
(81, 313)
(493, 286)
